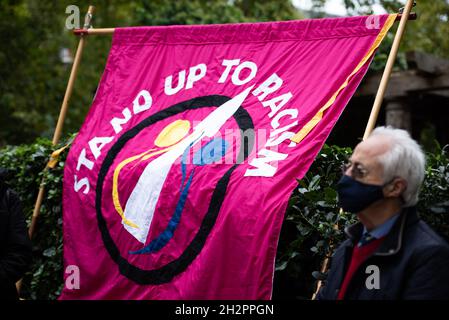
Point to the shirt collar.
(383, 229)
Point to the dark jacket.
(15, 246)
(413, 263)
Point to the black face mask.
(355, 196)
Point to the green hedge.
(306, 237)
(25, 164)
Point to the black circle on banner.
(166, 273)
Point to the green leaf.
(281, 266)
(314, 183)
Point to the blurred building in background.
(417, 100)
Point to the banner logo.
(173, 142)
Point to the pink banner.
(177, 183)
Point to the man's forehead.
(372, 147)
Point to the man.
(15, 246)
(390, 253)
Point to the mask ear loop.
(391, 181)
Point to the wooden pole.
(101, 31)
(108, 31)
(388, 69)
(404, 17)
(60, 123)
(62, 115)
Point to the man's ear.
(395, 188)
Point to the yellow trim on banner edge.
(300, 135)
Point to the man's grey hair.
(404, 159)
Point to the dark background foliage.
(306, 238)
(24, 164)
